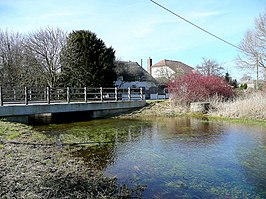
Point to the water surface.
(174, 157)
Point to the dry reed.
(250, 106)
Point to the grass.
(49, 171)
(11, 131)
(155, 108)
(13, 135)
(239, 120)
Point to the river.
(173, 157)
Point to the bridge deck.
(21, 110)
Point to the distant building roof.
(176, 66)
(132, 71)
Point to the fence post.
(116, 94)
(101, 92)
(30, 94)
(48, 94)
(129, 94)
(141, 94)
(68, 95)
(26, 96)
(1, 96)
(15, 95)
(85, 94)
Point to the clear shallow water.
(175, 157)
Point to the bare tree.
(210, 67)
(43, 49)
(245, 78)
(11, 56)
(165, 75)
(253, 54)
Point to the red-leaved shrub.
(196, 87)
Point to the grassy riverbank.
(32, 165)
(251, 107)
(155, 108)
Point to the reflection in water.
(99, 156)
(250, 152)
(175, 157)
(104, 135)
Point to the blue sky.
(138, 29)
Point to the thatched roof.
(132, 71)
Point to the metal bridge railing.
(31, 95)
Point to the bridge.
(19, 103)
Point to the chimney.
(149, 65)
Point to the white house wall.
(136, 84)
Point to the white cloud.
(204, 14)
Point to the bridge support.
(20, 119)
(1, 96)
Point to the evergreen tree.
(86, 61)
(230, 81)
(227, 77)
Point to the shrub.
(244, 86)
(196, 87)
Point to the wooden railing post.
(57, 91)
(15, 95)
(30, 94)
(85, 94)
(1, 96)
(101, 92)
(141, 94)
(48, 94)
(129, 94)
(116, 94)
(26, 96)
(68, 95)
